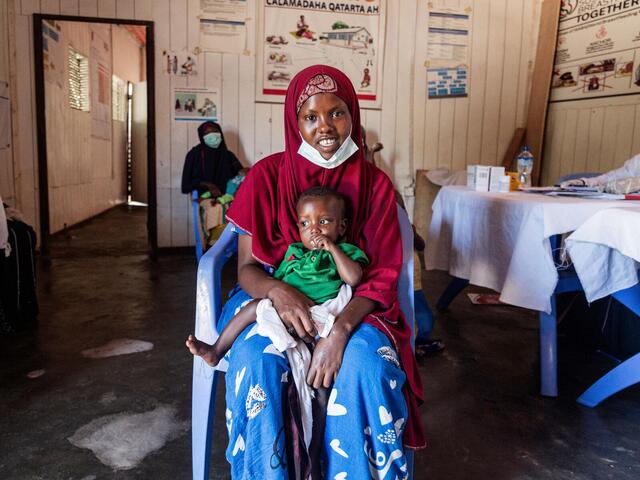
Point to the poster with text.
(193, 104)
(598, 50)
(100, 78)
(223, 25)
(448, 40)
(54, 54)
(295, 34)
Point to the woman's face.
(324, 122)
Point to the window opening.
(78, 80)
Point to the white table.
(605, 252)
(502, 241)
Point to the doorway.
(95, 124)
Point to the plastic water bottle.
(524, 162)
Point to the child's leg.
(212, 354)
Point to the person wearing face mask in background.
(208, 168)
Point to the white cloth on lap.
(270, 325)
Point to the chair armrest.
(209, 287)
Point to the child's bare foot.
(204, 350)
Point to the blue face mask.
(213, 139)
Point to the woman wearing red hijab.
(366, 361)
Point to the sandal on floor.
(429, 347)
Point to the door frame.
(41, 127)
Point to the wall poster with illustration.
(598, 50)
(196, 104)
(294, 34)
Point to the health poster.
(223, 25)
(598, 50)
(448, 42)
(194, 104)
(294, 34)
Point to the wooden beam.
(513, 149)
(541, 81)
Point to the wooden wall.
(86, 172)
(416, 132)
(7, 187)
(590, 135)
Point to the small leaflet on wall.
(598, 50)
(53, 53)
(192, 104)
(100, 78)
(222, 26)
(449, 33)
(180, 64)
(293, 35)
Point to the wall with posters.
(417, 132)
(86, 150)
(593, 124)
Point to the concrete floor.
(483, 414)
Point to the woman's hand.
(293, 308)
(327, 359)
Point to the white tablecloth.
(605, 251)
(501, 240)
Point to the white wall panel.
(595, 135)
(416, 132)
(107, 8)
(88, 8)
(69, 7)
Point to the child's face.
(320, 215)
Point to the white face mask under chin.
(343, 153)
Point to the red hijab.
(265, 208)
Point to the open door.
(139, 143)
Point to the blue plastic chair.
(567, 282)
(208, 309)
(625, 374)
(195, 208)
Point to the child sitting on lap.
(317, 266)
(321, 268)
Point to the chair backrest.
(195, 207)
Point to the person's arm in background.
(631, 168)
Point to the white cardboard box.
(494, 178)
(482, 178)
(471, 176)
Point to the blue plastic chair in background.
(625, 374)
(195, 207)
(208, 308)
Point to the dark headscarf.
(206, 164)
(266, 210)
